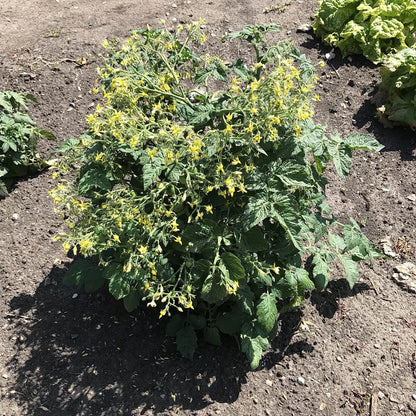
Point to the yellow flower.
(220, 167)
(105, 43)
(116, 238)
(66, 246)
(275, 269)
(178, 240)
(162, 313)
(133, 142)
(146, 286)
(236, 161)
(142, 249)
(208, 209)
(228, 129)
(99, 157)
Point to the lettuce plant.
(199, 187)
(373, 28)
(398, 89)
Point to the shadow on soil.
(396, 138)
(87, 356)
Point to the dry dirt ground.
(345, 352)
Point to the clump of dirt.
(64, 352)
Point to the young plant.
(398, 89)
(18, 140)
(373, 28)
(199, 187)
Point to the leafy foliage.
(200, 186)
(373, 28)
(18, 140)
(398, 89)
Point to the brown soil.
(354, 349)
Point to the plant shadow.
(396, 138)
(83, 354)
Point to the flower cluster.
(194, 187)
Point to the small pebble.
(393, 399)
(75, 295)
(414, 396)
(381, 395)
(329, 56)
(339, 359)
(269, 383)
(301, 381)
(377, 346)
(304, 28)
(5, 376)
(15, 217)
(411, 197)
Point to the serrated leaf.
(290, 223)
(77, 272)
(233, 265)
(212, 290)
(175, 323)
(231, 322)
(341, 156)
(253, 240)
(253, 343)
(267, 311)
(151, 172)
(198, 322)
(255, 212)
(303, 281)
(119, 285)
(131, 301)
(186, 342)
(363, 141)
(291, 173)
(93, 178)
(336, 242)
(351, 269)
(320, 272)
(212, 335)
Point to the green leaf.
(363, 141)
(212, 290)
(212, 335)
(253, 343)
(341, 156)
(252, 240)
(290, 223)
(151, 172)
(351, 269)
(94, 178)
(231, 322)
(132, 301)
(267, 311)
(186, 341)
(303, 281)
(198, 322)
(292, 173)
(320, 272)
(233, 265)
(76, 273)
(255, 212)
(119, 285)
(336, 242)
(175, 323)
